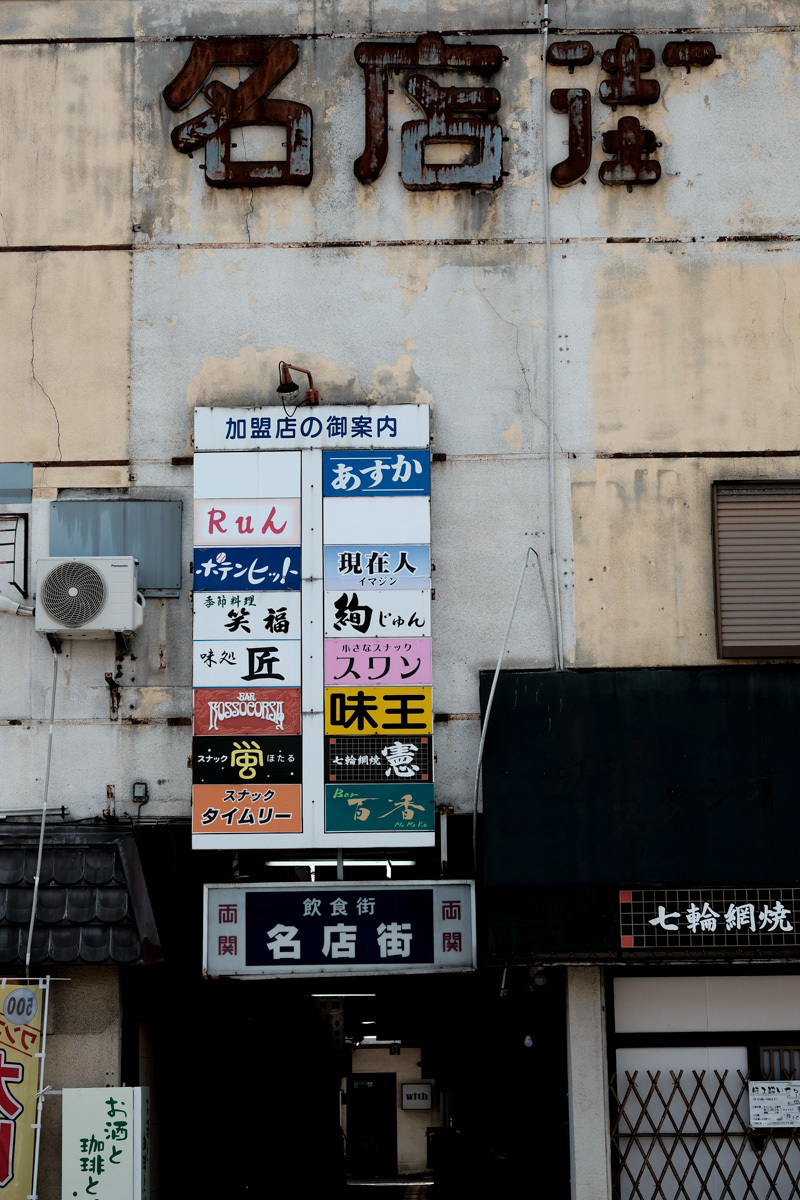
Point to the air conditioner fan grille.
(73, 593)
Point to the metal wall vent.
(73, 593)
(757, 544)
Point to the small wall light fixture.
(287, 388)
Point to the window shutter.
(757, 550)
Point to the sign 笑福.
(312, 617)
(708, 918)
(105, 1143)
(339, 928)
(20, 1056)
(774, 1102)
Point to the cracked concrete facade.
(133, 291)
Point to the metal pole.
(40, 1098)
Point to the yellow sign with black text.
(398, 711)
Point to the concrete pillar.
(589, 1143)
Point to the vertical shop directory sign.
(312, 628)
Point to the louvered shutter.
(757, 543)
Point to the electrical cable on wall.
(550, 334)
(44, 815)
(530, 551)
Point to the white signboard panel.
(774, 1103)
(234, 615)
(339, 928)
(348, 521)
(416, 1095)
(254, 663)
(222, 522)
(234, 475)
(401, 615)
(105, 1143)
(342, 427)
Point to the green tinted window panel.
(149, 530)
(16, 483)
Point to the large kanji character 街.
(630, 143)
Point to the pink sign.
(393, 660)
(247, 522)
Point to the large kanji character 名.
(233, 108)
(484, 167)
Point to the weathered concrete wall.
(412, 1145)
(673, 340)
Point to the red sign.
(231, 711)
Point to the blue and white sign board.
(341, 428)
(376, 473)
(312, 530)
(392, 568)
(241, 570)
(339, 928)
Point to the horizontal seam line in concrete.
(508, 31)
(698, 454)
(391, 243)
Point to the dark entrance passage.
(372, 1125)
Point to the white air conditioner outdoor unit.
(87, 597)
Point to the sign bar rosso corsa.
(312, 628)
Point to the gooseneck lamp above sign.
(287, 389)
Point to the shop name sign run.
(312, 628)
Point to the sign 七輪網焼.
(378, 760)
